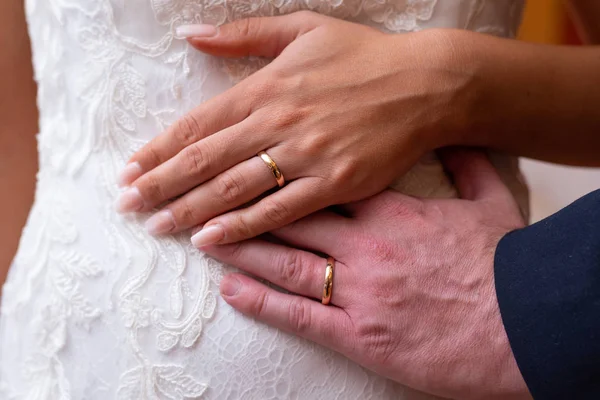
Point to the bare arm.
(532, 100)
(18, 113)
(586, 14)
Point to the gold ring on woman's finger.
(273, 167)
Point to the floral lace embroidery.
(394, 15)
(60, 270)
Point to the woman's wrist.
(451, 75)
(528, 99)
(481, 101)
(465, 57)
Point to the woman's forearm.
(18, 113)
(533, 100)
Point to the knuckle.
(293, 81)
(346, 173)
(286, 118)
(381, 249)
(262, 91)
(187, 129)
(248, 26)
(259, 307)
(376, 341)
(235, 250)
(291, 269)
(242, 27)
(194, 159)
(300, 319)
(151, 188)
(241, 228)
(230, 187)
(275, 212)
(151, 154)
(340, 331)
(392, 205)
(387, 289)
(185, 214)
(318, 139)
(315, 144)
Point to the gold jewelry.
(273, 167)
(328, 284)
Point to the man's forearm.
(533, 100)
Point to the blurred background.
(553, 187)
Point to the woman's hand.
(413, 294)
(343, 110)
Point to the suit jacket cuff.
(548, 286)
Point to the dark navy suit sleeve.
(548, 287)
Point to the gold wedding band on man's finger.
(328, 283)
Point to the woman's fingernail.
(203, 30)
(130, 200)
(209, 235)
(230, 286)
(161, 222)
(130, 173)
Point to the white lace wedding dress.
(94, 308)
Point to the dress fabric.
(94, 307)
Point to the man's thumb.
(474, 176)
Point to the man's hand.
(413, 289)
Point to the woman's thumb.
(261, 36)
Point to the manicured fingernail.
(209, 235)
(203, 30)
(230, 286)
(130, 200)
(130, 173)
(161, 222)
